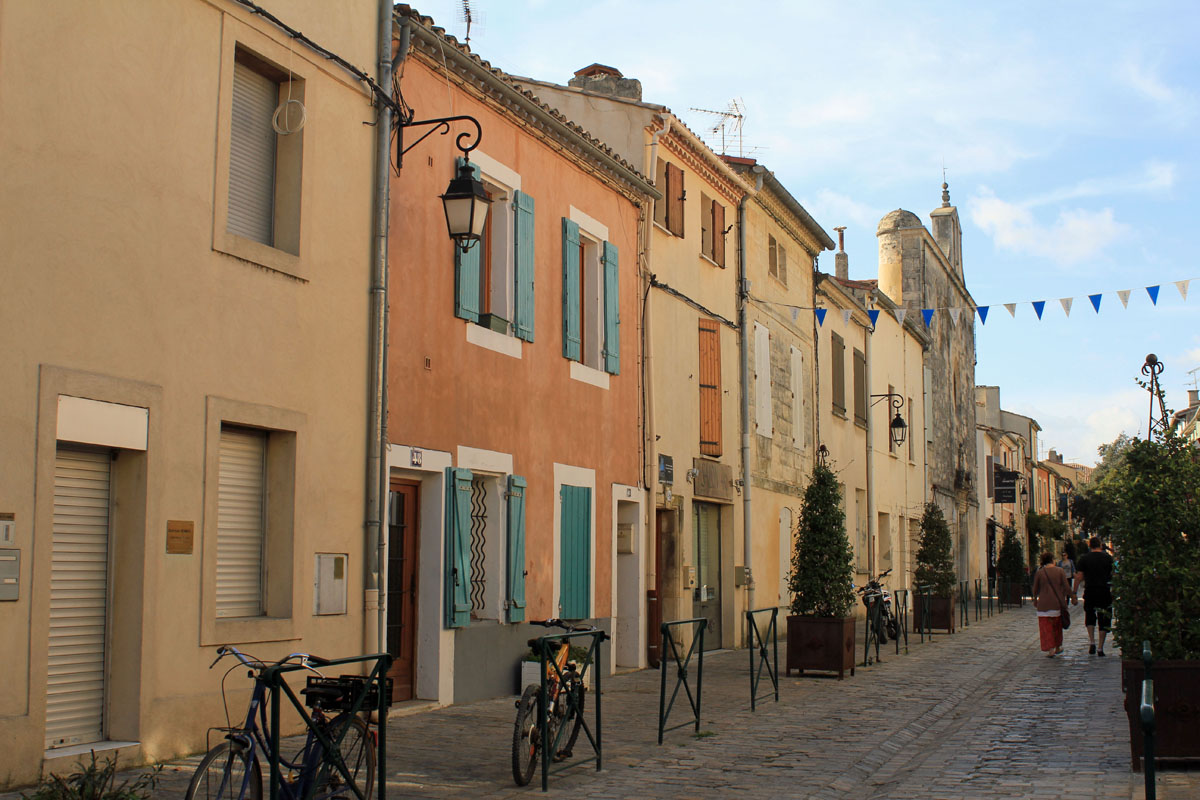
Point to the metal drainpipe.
(744, 356)
(651, 466)
(872, 526)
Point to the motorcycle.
(888, 625)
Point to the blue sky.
(1068, 132)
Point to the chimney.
(841, 261)
(1193, 397)
(606, 80)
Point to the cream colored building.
(185, 331)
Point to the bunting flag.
(982, 314)
(1095, 298)
(1039, 306)
(1124, 295)
(954, 312)
(820, 312)
(1153, 292)
(900, 312)
(1182, 286)
(927, 313)
(846, 316)
(1066, 304)
(1012, 309)
(874, 315)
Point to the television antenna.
(729, 124)
(1195, 378)
(467, 14)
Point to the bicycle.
(232, 770)
(564, 710)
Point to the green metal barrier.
(1147, 714)
(964, 600)
(547, 646)
(758, 648)
(978, 599)
(991, 594)
(900, 609)
(1003, 593)
(926, 620)
(671, 648)
(276, 684)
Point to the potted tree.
(935, 568)
(1010, 568)
(820, 630)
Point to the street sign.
(1006, 485)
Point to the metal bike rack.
(926, 621)
(276, 684)
(900, 605)
(671, 648)
(758, 648)
(964, 601)
(874, 620)
(978, 599)
(545, 645)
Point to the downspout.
(744, 357)
(872, 517)
(651, 465)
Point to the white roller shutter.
(252, 155)
(78, 599)
(240, 523)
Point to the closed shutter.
(612, 310)
(457, 578)
(516, 548)
(762, 380)
(799, 420)
(576, 567)
(241, 523)
(523, 307)
(837, 363)
(252, 155)
(78, 599)
(674, 199)
(466, 269)
(572, 348)
(718, 234)
(710, 388)
(860, 387)
(988, 469)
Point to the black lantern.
(466, 205)
(899, 430)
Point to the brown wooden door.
(402, 588)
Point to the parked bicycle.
(233, 769)
(886, 625)
(564, 712)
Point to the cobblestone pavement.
(977, 714)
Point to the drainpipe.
(744, 357)
(651, 463)
(872, 524)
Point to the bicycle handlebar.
(306, 659)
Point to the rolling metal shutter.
(78, 599)
(252, 155)
(240, 523)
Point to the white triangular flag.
(845, 316)
(954, 312)
(1066, 304)
(1012, 309)
(1182, 286)
(795, 314)
(1124, 295)
(900, 312)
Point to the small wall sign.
(417, 455)
(181, 534)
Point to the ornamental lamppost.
(898, 429)
(465, 201)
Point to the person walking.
(1067, 563)
(1094, 570)
(1050, 598)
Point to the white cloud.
(1076, 436)
(1076, 235)
(839, 209)
(1155, 176)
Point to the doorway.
(402, 588)
(706, 597)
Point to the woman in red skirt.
(1050, 598)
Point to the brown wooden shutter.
(710, 388)
(837, 363)
(860, 387)
(675, 195)
(706, 229)
(718, 233)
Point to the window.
(710, 388)
(712, 229)
(860, 387)
(837, 363)
(265, 148)
(776, 260)
(799, 422)
(762, 380)
(591, 296)
(241, 525)
(485, 547)
(668, 212)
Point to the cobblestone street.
(977, 714)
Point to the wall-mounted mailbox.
(689, 578)
(329, 584)
(10, 573)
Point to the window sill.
(666, 230)
(839, 412)
(246, 630)
(490, 340)
(586, 374)
(704, 257)
(258, 253)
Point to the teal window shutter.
(458, 547)
(570, 258)
(516, 548)
(523, 308)
(576, 567)
(612, 311)
(466, 271)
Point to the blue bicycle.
(233, 769)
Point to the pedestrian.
(1050, 599)
(1067, 563)
(1094, 570)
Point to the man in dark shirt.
(1094, 569)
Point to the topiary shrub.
(822, 576)
(935, 567)
(1010, 563)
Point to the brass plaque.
(181, 534)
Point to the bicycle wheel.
(227, 772)
(574, 719)
(526, 737)
(357, 750)
(893, 628)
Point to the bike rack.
(1146, 711)
(273, 677)
(900, 604)
(758, 643)
(874, 620)
(978, 599)
(926, 621)
(964, 601)
(671, 648)
(543, 650)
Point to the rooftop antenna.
(730, 123)
(1195, 381)
(468, 16)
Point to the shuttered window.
(710, 388)
(252, 155)
(668, 212)
(612, 309)
(799, 418)
(524, 258)
(515, 602)
(241, 524)
(860, 387)
(718, 234)
(457, 579)
(576, 566)
(706, 225)
(762, 380)
(468, 267)
(837, 363)
(571, 258)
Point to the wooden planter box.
(1176, 709)
(941, 613)
(824, 644)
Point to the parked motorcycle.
(888, 625)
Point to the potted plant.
(935, 568)
(1010, 568)
(820, 630)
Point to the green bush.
(1010, 563)
(822, 575)
(935, 567)
(96, 781)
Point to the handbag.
(1065, 617)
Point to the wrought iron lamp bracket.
(895, 399)
(441, 125)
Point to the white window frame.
(493, 469)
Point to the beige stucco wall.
(114, 291)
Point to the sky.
(1068, 133)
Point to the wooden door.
(402, 588)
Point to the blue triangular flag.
(820, 312)
(1095, 298)
(1153, 292)
(982, 314)
(1038, 305)
(874, 315)
(927, 313)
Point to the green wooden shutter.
(571, 340)
(466, 271)
(576, 567)
(523, 307)
(612, 311)
(458, 547)
(516, 548)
